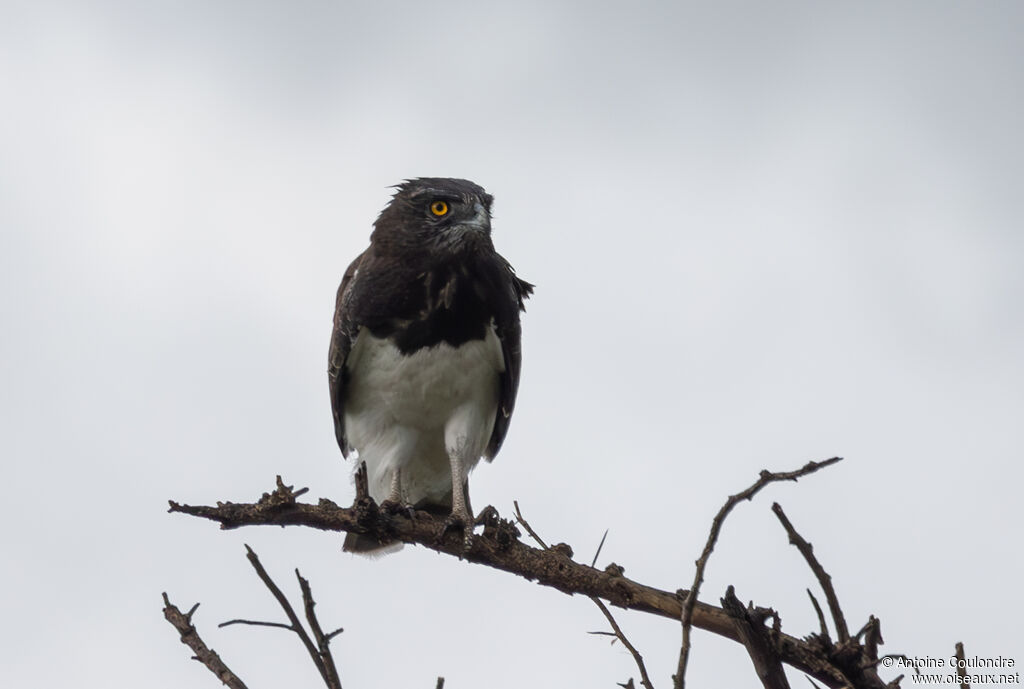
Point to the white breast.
(399, 409)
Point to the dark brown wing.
(510, 334)
(342, 337)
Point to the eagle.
(426, 350)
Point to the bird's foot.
(398, 506)
(458, 520)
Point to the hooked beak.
(480, 222)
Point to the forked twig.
(529, 529)
(637, 658)
(690, 600)
(203, 653)
(619, 634)
(320, 653)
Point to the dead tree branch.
(203, 653)
(499, 546)
(858, 661)
(645, 680)
(824, 580)
(617, 632)
(687, 615)
(821, 616)
(321, 653)
(758, 639)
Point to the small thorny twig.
(593, 563)
(644, 679)
(690, 600)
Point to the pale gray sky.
(761, 233)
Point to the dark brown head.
(435, 214)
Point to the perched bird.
(425, 353)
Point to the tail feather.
(365, 544)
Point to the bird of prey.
(425, 353)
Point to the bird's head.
(436, 213)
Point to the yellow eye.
(439, 208)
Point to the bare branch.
(290, 489)
(282, 600)
(690, 598)
(823, 577)
(526, 525)
(500, 547)
(821, 616)
(324, 663)
(256, 623)
(872, 632)
(593, 563)
(644, 679)
(323, 642)
(618, 633)
(204, 654)
(961, 668)
(754, 635)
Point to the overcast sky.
(761, 233)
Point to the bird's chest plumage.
(421, 389)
